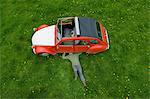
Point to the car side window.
(94, 42)
(81, 42)
(68, 42)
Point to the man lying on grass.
(74, 58)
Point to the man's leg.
(75, 71)
(79, 70)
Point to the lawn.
(120, 72)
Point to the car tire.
(43, 54)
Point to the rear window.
(99, 30)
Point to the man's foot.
(75, 78)
(84, 83)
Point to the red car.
(70, 35)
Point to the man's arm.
(63, 56)
(79, 53)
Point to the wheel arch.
(43, 49)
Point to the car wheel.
(43, 54)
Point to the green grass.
(119, 72)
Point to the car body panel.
(96, 49)
(81, 48)
(44, 49)
(65, 48)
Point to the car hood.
(44, 37)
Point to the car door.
(65, 46)
(81, 46)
